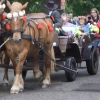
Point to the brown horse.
(28, 36)
(3, 55)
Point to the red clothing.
(98, 24)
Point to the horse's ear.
(2, 1)
(8, 4)
(24, 6)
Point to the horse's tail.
(53, 57)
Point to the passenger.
(68, 27)
(66, 19)
(82, 29)
(95, 20)
(75, 20)
(94, 16)
(71, 17)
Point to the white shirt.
(50, 13)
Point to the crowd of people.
(86, 24)
(75, 26)
(82, 25)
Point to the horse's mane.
(16, 6)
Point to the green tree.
(77, 7)
(33, 6)
(80, 7)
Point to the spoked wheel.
(93, 63)
(70, 63)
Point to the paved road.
(85, 87)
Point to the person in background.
(68, 27)
(93, 18)
(52, 9)
(75, 20)
(63, 16)
(84, 27)
(66, 19)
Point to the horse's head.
(16, 19)
(2, 6)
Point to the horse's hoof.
(37, 74)
(21, 89)
(14, 91)
(44, 86)
(46, 83)
(5, 82)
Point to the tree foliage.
(77, 7)
(81, 7)
(33, 5)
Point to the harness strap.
(18, 30)
(47, 16)
(24, 36)
(34, 41)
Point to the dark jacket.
(58, 22)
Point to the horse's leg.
(2, 57)
(6, 61)
(53, 57)
(18, 84)
(46, 80)
(12, 57)
(36, 70)
(21, 84)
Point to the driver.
(51, 6)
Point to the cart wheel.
(71, 63)
(24, 72)
(93, 63)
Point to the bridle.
(31, 36)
